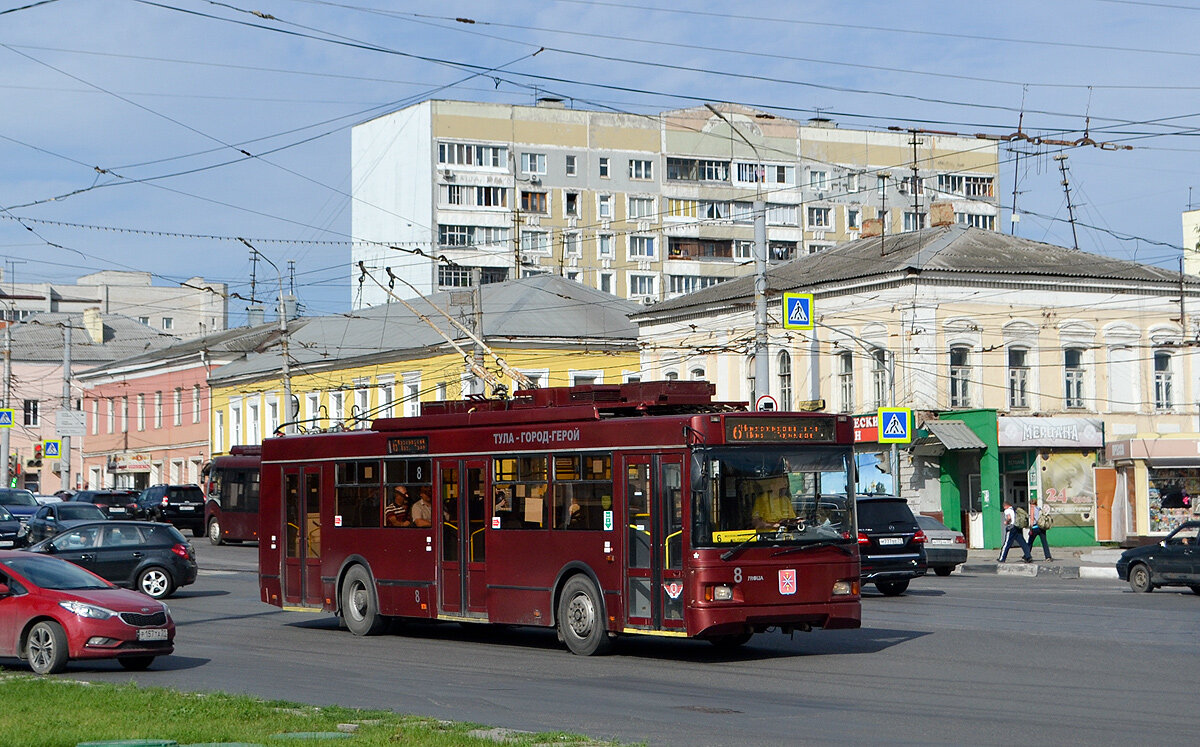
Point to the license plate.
(152, 634)
(941, 542)
(116, 510)
(891, 540)
(6, 543)
(187, 508)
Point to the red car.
(52, 611)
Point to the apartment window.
(682, 208)
(235, 425)
(680, 284)
(881, 185)
(470, 154)
(387, 395)
(604, 207)
(641, 247)
(158, 410)
(818, 180)
(750, 172)
(603, 167)
(671, 376)
(960, 377)
(533, 202)
(853, 219)
(313, 401)
(454, 277)
(604, 245)
(1164, 394)
(471, 236)
(1073, 378)
(643, 285)
(781, 215)
(607, 282)
(537, 242)
(490, 196)
(977, 186)
(571, 245)
(852, 183)
(362, 406)
(272, 417)
(641, 169)
(987, 222)
(196, 403)
(784, 365)
(952, 183)
(914, 221)
(337, 407)
(879, 377)
(572, 167)
(820, 218)
(109, 412)
(141, 412)
(714, 210)
(743, 250)
(252, 414)
(95, 416)
(714, 171)
(454, 194)
(412, 395)
(219, 432)
(1018, 378)
(168, 323)
(912, 185)
(846, 381)
(743, 212)
(574, 276)
(144, 320)
(533, 163)
(125, 414)
(571, 203)
(31, 413)
(641, 207)
(177, 407)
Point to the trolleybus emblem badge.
(787, 581)
(673, 589)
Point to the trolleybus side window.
(358, 492)
(404, 481)
(637, 494)
(523, 483)
(582, 491)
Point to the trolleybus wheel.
(360, 610)
(214, 531)
(581, 617)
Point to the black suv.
(891, 546)
(116, 504)
(181, 505)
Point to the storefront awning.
(947, 435)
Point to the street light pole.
(289, 415)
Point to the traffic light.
(14, 469)
(37, 456)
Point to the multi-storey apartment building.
(645, 207)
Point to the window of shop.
(960, 377)
(1018, 378)
(1172, 497)
(1164, 395)
(1073, 378)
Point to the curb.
(1034, 569)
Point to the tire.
(198, 531)
(1139, 578)
(1195, 588)
(136, 663)
(581, 617)
(943, 570)
(731, 642)
(214, 531)
(360, 608)
(46, 648)
(891, 588)
(155, 582)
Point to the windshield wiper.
(827, 543)
(738, 548)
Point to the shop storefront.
(130, 470)
(1157, 485)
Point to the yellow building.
(347, 370)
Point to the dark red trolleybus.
(231, 482)
(600, 510)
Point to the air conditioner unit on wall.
(448, 175)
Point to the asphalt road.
(966, 659)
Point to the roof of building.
(952, 250)
(40, 337)
(541, 309)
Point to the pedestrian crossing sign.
(52, 449)
(895, 425)
(6, 418)
(797, 311)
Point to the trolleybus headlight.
(845, 588)
(719, 593)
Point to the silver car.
(945, 548)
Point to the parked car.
(54, 518)
(154, 559)
(52, 612)
(19, 501)
(945, 548)
(1173, 562)
(116, 504)
(891, 546)
(181, 505)
(12, 531)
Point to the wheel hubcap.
(214, 531)
(41, 649)
(358, 601)
(154, 584)
(581, 615)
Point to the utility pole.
(916, 183)
(5, 444)
(477, 322)
(1062, 165)
(65, 454)
(289, 413)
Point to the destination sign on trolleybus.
(759, 430)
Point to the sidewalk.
(1069, 562)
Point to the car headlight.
(86, 610)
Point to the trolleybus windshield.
(786, 495)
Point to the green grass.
(47, 711)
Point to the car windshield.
(791, 495)
(52, 573)
(72, 512)
(928, 522)
(17, 498)
(190, 494)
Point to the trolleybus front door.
(462, 486)
(654, 532)
(302, 546)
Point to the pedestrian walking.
(1039, 522)
(1013, 533)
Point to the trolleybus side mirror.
(699, 478)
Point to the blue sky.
(134, 114)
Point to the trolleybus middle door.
(462, 518)
(302, 533)
(653, 520)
